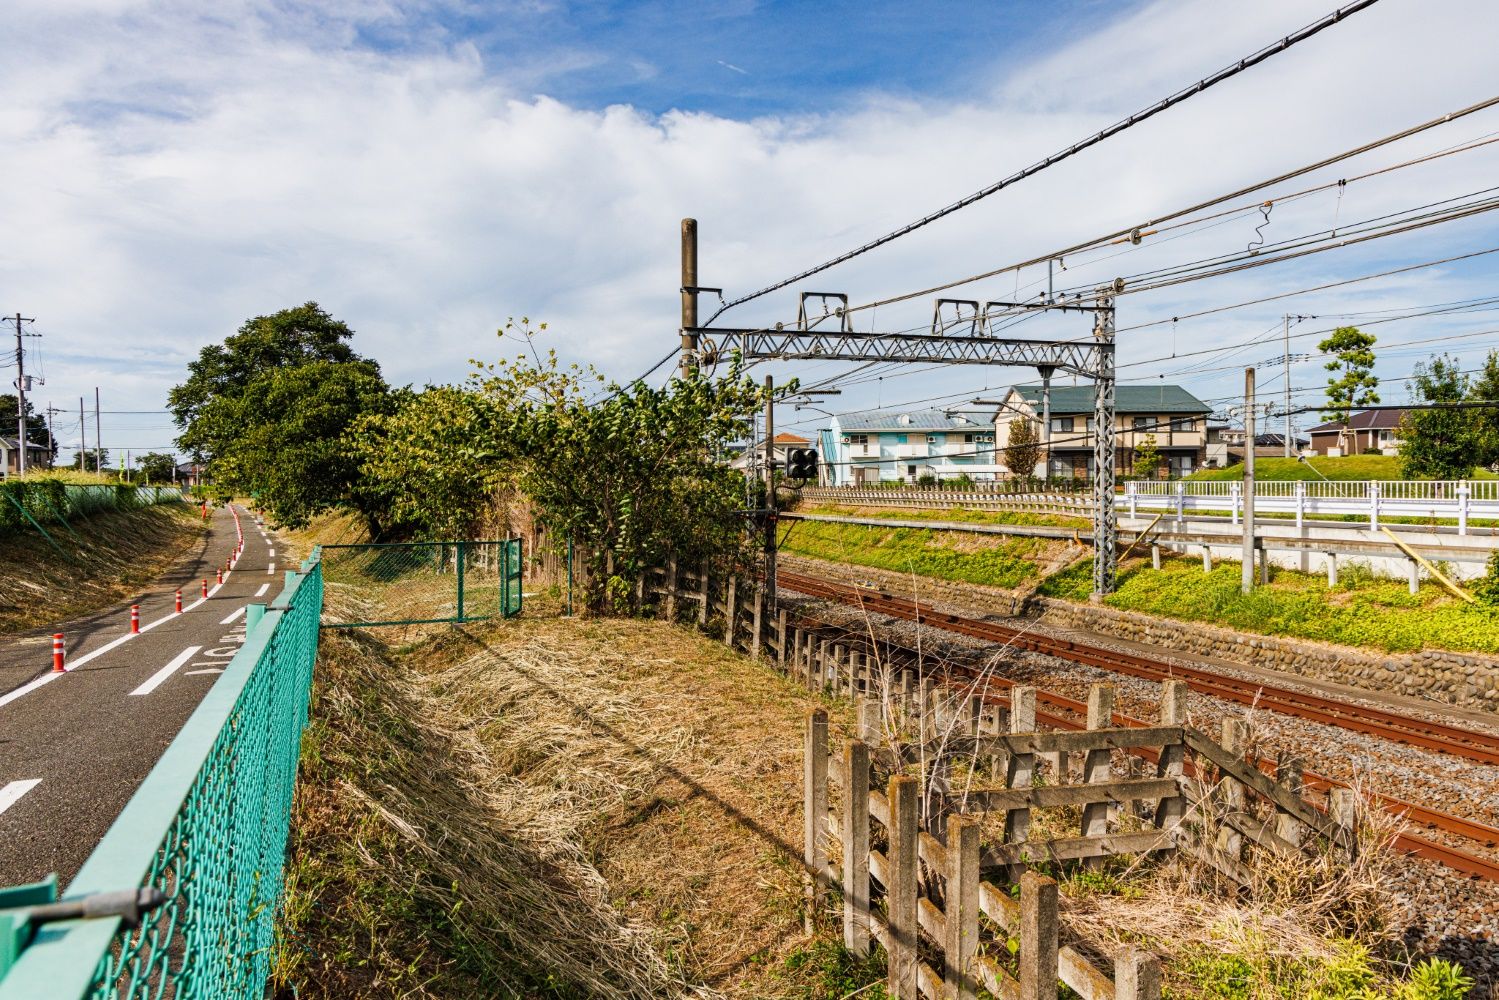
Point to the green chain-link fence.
(27, 504)
(207, 829)
(412, 583)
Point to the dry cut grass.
(549, 807)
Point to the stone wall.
(1464, 679)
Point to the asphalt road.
(74, 746)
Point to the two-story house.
(1367, 432)
(904, 446)
(1169, 415)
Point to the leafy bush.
(1486, 589)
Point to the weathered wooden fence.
(948, 798)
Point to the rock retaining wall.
(1464, 679)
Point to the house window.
(1089, 424)
(1142, 424)
(1183, 424)
(1062, 424)
(1181, 465)
(900, 439)
(858, 438)
(968, 439)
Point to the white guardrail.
(1447, 500)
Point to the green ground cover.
(987, 560)
(1362, 611)
(962, 515)
(1289, 469)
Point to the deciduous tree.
(1147, 457)
(1023, 448)
(1438, 444)
(156, 467)
(1485, 388)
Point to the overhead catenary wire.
(1186, 93)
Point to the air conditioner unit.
(931, 439)
(847, 439)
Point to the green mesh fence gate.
(207, 830)
(413, 583)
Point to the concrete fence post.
(671, 588)
(1169, 811)
(1233, 502)
(730, 609)
(1137, 976)
(1096, 765)
(815, 807)
(1342, 809)
(855, 810)
(758, 622)
(1289, 774)
(704, 590)
(901, 893)
(961, 914)
(1038, 937)
(1021, 769)
(1464, 492)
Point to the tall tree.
(90, 461)
(286, 339)
(1353, 382)
(1023, 449)
(268, 409)
(1438, 444)
(1485, 388)
(36, 424)
(156, 467)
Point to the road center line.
(11, 794)
(270, 552)
(159, 678)
(271, 569)
(263, 588)
(230, 619)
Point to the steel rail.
(1473, 865)
(1441, 737)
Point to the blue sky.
(425, 169)
(743, 59)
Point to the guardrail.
(201, 843)
(1443, 500)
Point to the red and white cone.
(179, 600)
(135, 619)
(59, 653)
(205, 588)
(221, 578)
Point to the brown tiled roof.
(1365, 420)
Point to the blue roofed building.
(905, 445)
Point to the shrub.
(1486, 590)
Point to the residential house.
(784, 443)
(189, 474)
(904, 446)
(1374, 432)
(1271, 445)
(38, 456)
(1172, 416)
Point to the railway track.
(1472, 865)
(1480, 747)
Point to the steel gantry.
(959, 335)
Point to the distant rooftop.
(907, 420)
(1070, 399)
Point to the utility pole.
(689, 297)
(770, 492)
(52, 411)
(1286, 346)
(1246, 580)
(1046, 373)
(21, 394)
(82, 438)
(98, 437)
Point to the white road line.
(270, 552)
(271, 569)
(210, 670)
(27, 688)
(263, 588)
(230, 619)
(11, 794)
(159, 678)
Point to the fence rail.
(29, 503)
(432, 582)
(207, 829)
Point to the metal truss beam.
(1082, 357)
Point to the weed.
(825, 970)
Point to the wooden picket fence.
(925, 819)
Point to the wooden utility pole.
(689, 296)
(1246, 581)
(98, 437)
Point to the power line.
(1205, 83)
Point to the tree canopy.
(1354, 382)
(1022, 448)
(156, 467)
(36, 424)
(1440, 443)
(1485, 388)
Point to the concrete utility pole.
(52, 412)
(1286, 346)
(1246, 580)
(689, 296)
(770, 492)
(82, 438)
(20, 394)
(98, 437)
(1046, 373)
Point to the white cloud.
(169, 173)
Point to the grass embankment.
(107, 557)
(990, 560)
(550, 808)
(1348, 467)
(1363, 610)
(964, 515)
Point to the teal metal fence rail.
(428, 582)
(207, 829)
(27, 504)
